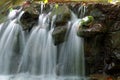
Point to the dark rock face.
(106, 14)
(114, 54)
(91, 31)
(115, 27)
(59, 34)
(62, 15)
(28, 20)
(94, 54)
(102, 39)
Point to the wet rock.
(47, 8)
(92, 30)
(112, 52)
(59, 34)
(28, 20)
(30, 15)
(115, 42)
(112, 67)
(115, 39)
(94, 54)
(31, 7)
(97, 14)
(115, 27)
(116, 53)
(63, 15)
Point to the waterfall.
(35, 57)
(10, 43)
(71, 59)
(39, 56)
(1, 26)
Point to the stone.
(47, 8)
(28, 20)
(84, 24)
(92, 30)
(94, 55)
(59, 34)
(112, 67)
(115, 39)
(115, 27)
(63, 15)
(97, 14)
(115, 42)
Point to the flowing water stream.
(35, 58)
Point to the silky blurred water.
(33, 55)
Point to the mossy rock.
(62, 13)
(59, 34)
(28, 20)
(88, 20)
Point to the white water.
(10, 40)
(38, 60)
(71, 60)
(82, 10)
(39, 56)
(1, 26)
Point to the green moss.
(86, 21)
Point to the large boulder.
(59, 34)
(28, 20)
(62, 13)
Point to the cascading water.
(39, 56)
(38, 60)
(82, 10)
(1, 26)
(11, 37)
(71, 59)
